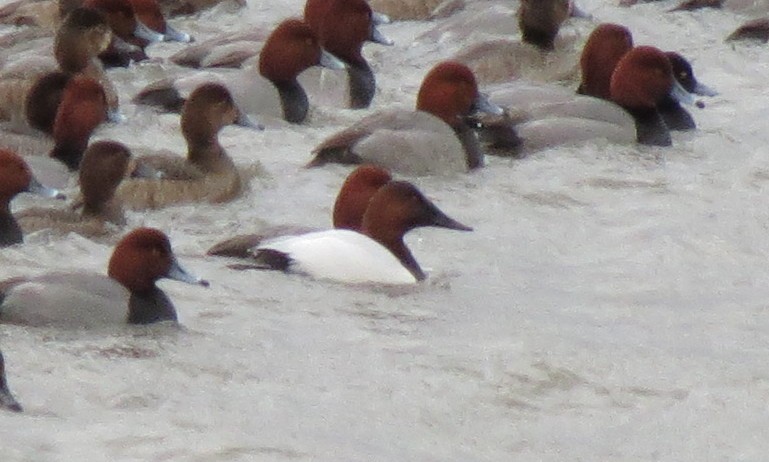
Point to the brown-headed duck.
(350, 205)
(435, 138)
(7, 401)
(126, 294)
(96, 212)
(274, 92)
(15, 178)
(207, 173)
(376, 254)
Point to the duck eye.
(683, 75)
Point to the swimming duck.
(7, 401)
(434, 138)
(207, 173)
(127, 294)
(343, 26)
(97, 212)
(15, 178)
(377, 254)
(351, 203)
(275, 92)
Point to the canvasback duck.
(351, 203)
(148, 13)
(15, 178)
(642, 79)
(207, 173)
(97, 212)
(7, 401)
(127, 30)
(433, 139)
(343, 26)
(126, 294)
(377, 254)
(83, 107)
(31, 90)
(274, 92)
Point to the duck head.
(80, 38)
(606, 45)
(143, 257)
(104, 165)
(356, 193)
(148, 13)
(121, 17)
(683, 72)
(83, 107)
(540, 20)
(43, 98)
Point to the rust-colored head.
(104, 165)
(603, 50)
(355, 195)
(448, 91)
(141, 258)
(342, 26)
(148, 12)
(642, 78)
(15, 176)
(290, 49)
(83, 107)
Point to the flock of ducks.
(628, 94)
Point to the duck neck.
(150, 306)
(107, 210)
(10, 232)
(70, 152)
(362, 84)
(398, 248)
(650, 128)
(208, 155)
(470, 144)
(293, 99)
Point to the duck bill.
(115, 116)
(177, 273)
(143, 32)
(173, 35)
(330, 61)
(244, 120)
(679, 93)
(380, 18)
(35, 187)
(704, 90)
(483, 104)
(435, 217)
(378, 37)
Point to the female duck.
(275, 92)
(351, 203)
(104, 165)
(127, 294)
(15, 178)
(7, 401)
(433, 139)
(377, 254)
(208, 173)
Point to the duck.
(540, 20)
(31, 88)
(376, 254)
(148, 12)
(433, 139)
(274, 92)
(207, 173)
(15, 178)
(7, 401)
(96, 213)
(127, 294)
(675, 116)
(343, 27)
(130, 35)
(349, 207)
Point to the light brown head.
(81, 37)
(104, 165)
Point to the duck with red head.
(351, 203)
(642, 79)
(275, 92)
(605, 46)
(435, 138)
(97, 212)
(675, 116)
(376, 254)
(343, 27)
(127, 294)
(83, 107)
(207, 174)
(7, 401)
(130, 35)
(15, 178)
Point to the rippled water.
(610, 304)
